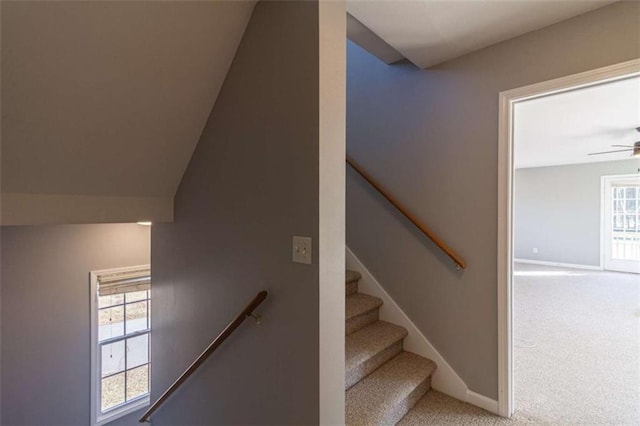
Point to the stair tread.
(370, 400)
(370, 341)
(358, 304)
(351, 276)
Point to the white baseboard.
(445, 379)
(559, 264)
(482, 401)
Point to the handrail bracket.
(256, 317)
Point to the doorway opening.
(549, 264)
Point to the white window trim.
(97, 418)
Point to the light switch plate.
(302, 249)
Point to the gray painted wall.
(430, 136)
(557, 211)
(46, 351)
(251, 185)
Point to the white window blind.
(625, 183)
(124, 282)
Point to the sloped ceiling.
(103, 102)
(368, 40)
(106, 100)
(428, 32)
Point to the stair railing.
(228, 330)
(459, 262)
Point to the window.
(626, 229)
(120, 341)
(621, 223)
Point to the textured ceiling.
(110, 98)
(430, 32)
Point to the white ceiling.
(110, 98)
(369, 41)
(564, 128)
(430, 32)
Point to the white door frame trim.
(507, 100)
(605, 215)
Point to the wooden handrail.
(460, 263)
(229, 329)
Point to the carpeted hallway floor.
(577, 353)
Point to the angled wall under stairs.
(445, 379)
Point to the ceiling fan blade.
(610, 152)
(622, 146)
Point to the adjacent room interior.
(576, 288)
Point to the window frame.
(608, 213)
(99, 418)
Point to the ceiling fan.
(635, 148)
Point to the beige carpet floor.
(576, 354)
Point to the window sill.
(121, 411)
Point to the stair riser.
(403, 407)
(352, 288)
(354, 375)
(361, 321)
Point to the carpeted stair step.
(351, 281)
(387, 394)
(369, 348)
(361, 310)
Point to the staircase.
(382, 381)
